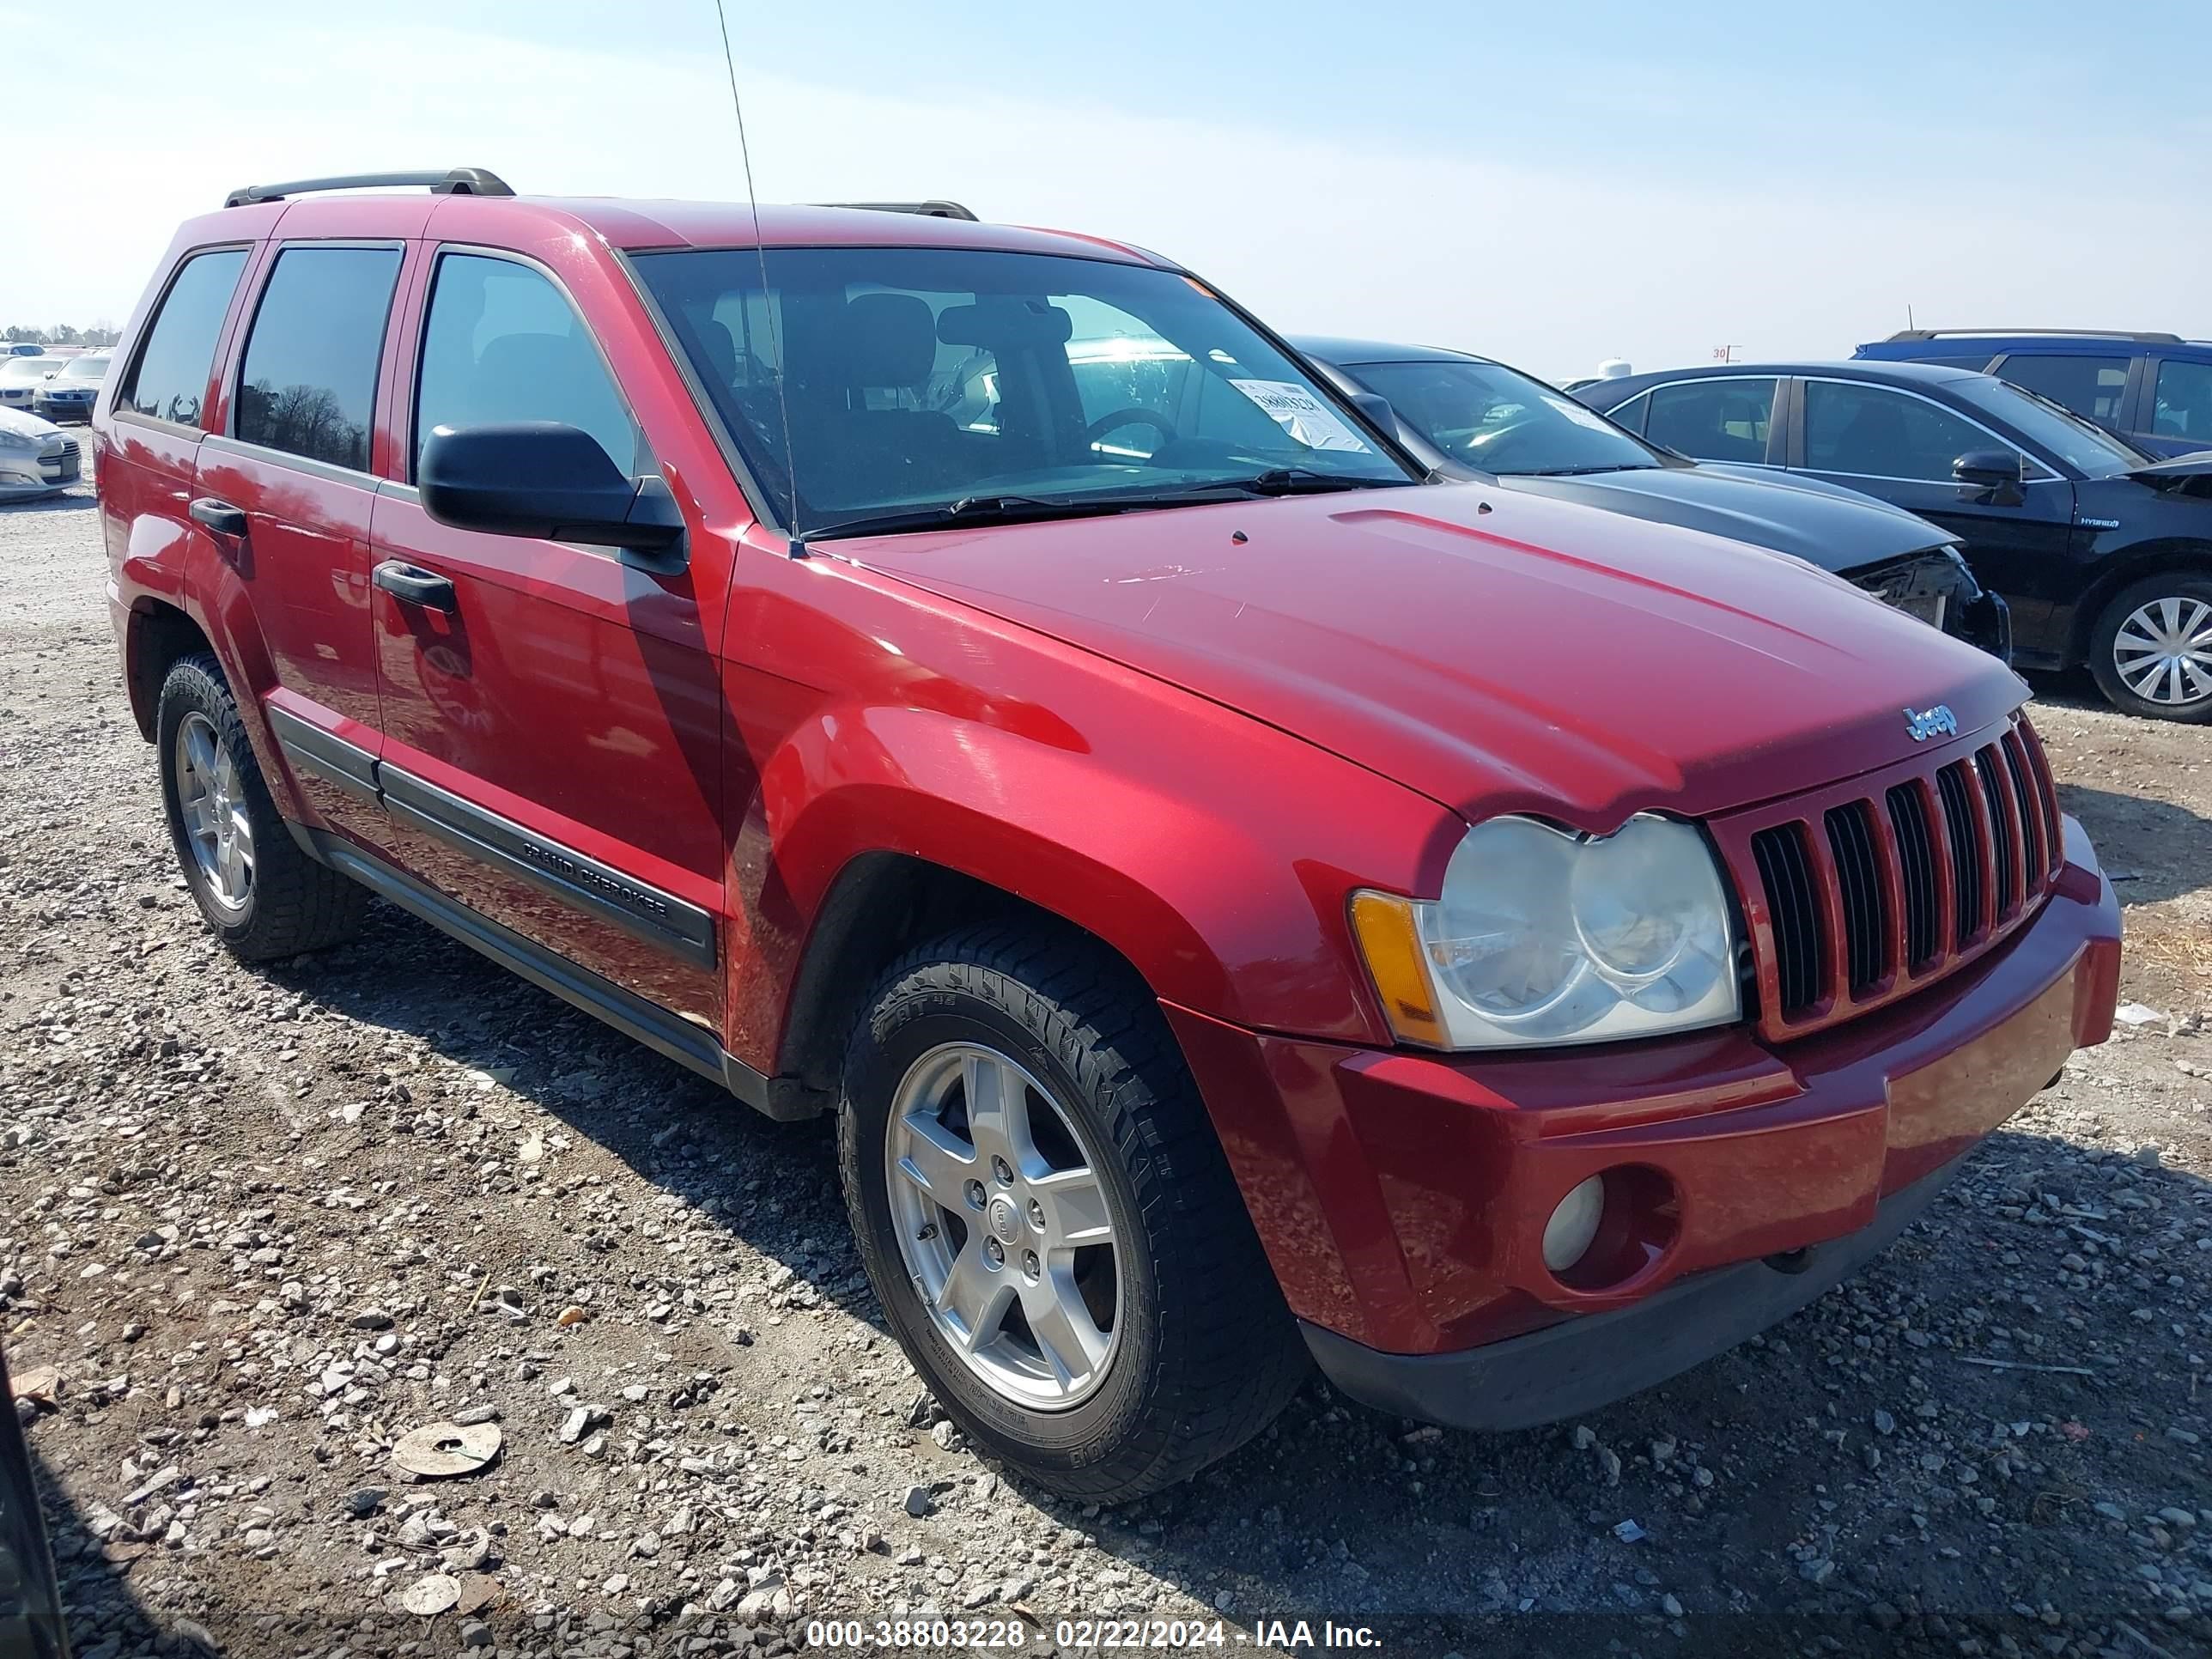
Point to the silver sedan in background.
(37, 457)
(67, 396)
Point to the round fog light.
(1568, 1234)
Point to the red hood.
(1539, 656)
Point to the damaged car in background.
(1470, 417)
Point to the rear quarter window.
(169, 380)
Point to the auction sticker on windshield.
(1581, 417)
(1302, 414)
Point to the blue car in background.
(2154, 390)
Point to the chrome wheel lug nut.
(1036, 1215)
(995, 1252)
(973, 1193)
(1030, 1264)
(1003, 1171)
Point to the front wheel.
(1048, 1221)
(2152, 649)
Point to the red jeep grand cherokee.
(1240, 905)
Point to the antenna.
(752, 204)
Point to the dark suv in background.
(2154, 390)
(2104, 553)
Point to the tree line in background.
(99, 334)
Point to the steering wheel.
(1131, 417)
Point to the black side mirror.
(1987, 468)
(1377, 408)
(543, 478)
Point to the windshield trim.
(757, 498)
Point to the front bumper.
(47, 409)
(1401, 1197)
(1577, 1366)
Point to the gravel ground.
(262, 1223)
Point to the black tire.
(1206, 1354)
(2189, 586)
(294, 903)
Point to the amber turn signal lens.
(1383, 925)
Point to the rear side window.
(171, 377)
(2181, 407)
(308, 385)
(1722, 420)
(2090, 387)
(502, 343)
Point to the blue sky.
(1551, 184)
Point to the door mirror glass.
(542, 478)
(1988, 468)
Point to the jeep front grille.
(1858, 894)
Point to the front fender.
(1217, 862)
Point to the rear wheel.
(1048, 1222)
(264, 897)
(2152, 649)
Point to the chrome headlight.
(1543, 937)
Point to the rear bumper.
(1401, 1197)
(1566, 1369)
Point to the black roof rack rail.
(453, 181)
(2150, 338)
(927, 210)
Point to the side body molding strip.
(310, 749)
(675, 925)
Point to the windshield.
(85, 368)
(2050, 427)
(906, 380)
(28, 369)
(1500, 420)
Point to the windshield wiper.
(1582, 471)
(1033, 509)
(975, 510)
(1293, 481)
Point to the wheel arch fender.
(183, 595)
(1200, 895)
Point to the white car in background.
(21, 378)
(37, 457)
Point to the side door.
(1898, 446)
(283, 488)
(552, 715)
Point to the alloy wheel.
(2163, 651)
(211, 800)
(1003, 1226)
